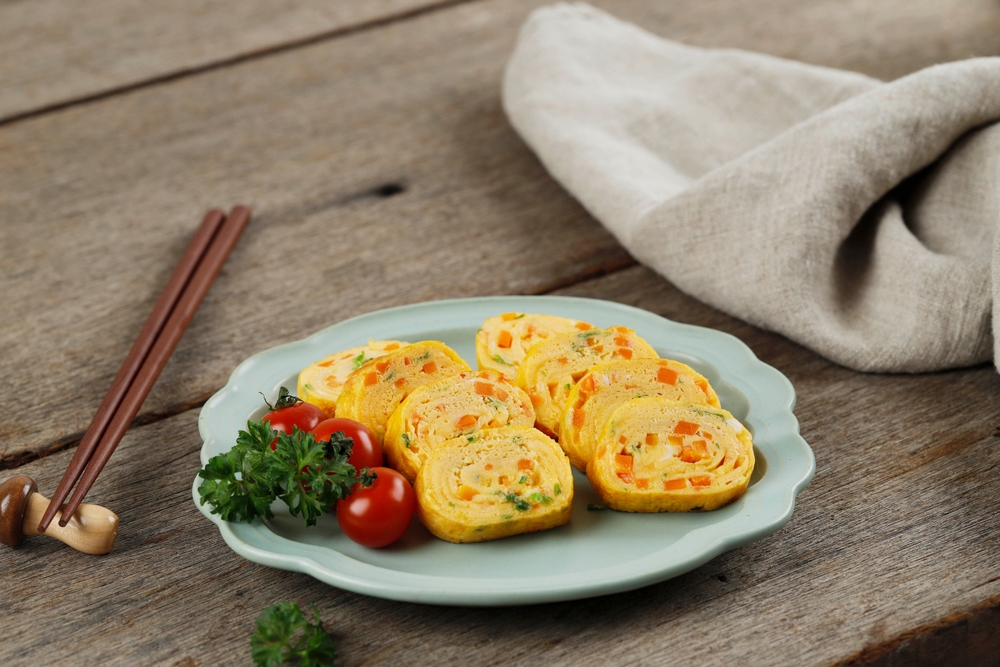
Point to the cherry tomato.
(378, 515)
(367, 452)
(304, 415)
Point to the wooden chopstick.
(87, 465)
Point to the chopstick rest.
(91, 530)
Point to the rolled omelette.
(658, 455)
(374, 391)
(496, 483)
(598, 393)
(551, 368)
(454, 406)
(321, 382)
(502, 341)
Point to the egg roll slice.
(658, 455)
(496, 483)
(502, 341)
(551, 368)
(459, 405)
(374, 391)
(320, 383)
(605, 387)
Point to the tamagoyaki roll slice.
(551, 368)
(502, 341)
(495, 483)
(658, 455)
(603, 388)
(458, 405)
(374, 391)
(320, 383)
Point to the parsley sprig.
(278, 641)
(308, 475)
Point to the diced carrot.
(625, 353)
(466, 421)
(621, 330)
(391, 346)
(531, 329)
(583, 326)
(400, 383)
(685, 428)
(507, 317)
(524, 464)
(502, 480)
(484, 388)
(504, 339)
(642, 483)
(689, 455)
(579, 416)
(623, 463)
(327, 364)
(701, 480)
(429, 367)
(380, 366)
(701, 384)
(674, 484)
(483, 374)
(676, 440)
(587, 384)
(626, 477)
(536, 400)
(406, 361)
(621, 340)
(705, 434)
(598, 348)
(623, 440)
(666, 375)
(466, 492)
(488, 466)
(652, 439)
(563, 360)
(701, 447)
(502, 395)
(371, 378)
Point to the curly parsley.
(278, 640)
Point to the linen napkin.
(856, 217)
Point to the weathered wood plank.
(54, 52)
(897, 531)
(381, 169)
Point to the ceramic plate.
(598, 552)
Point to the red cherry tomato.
(304, 415)
(378, 515)
(366, 453)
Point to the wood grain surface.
(369, 139)
(900, 496)
(58, 52)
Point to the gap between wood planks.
(254, 54)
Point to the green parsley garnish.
(308, 475)
(406, 440)
(275, 643)
(358, 360)
(557, 489)
(540, 498)
(524, 479)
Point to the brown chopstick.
(162, 346)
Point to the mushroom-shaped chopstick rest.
(91, 530)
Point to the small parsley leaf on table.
(278, 640)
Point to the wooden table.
(368, 137)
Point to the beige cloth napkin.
(856, 217)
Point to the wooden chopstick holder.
(170, 334)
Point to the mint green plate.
(598, 552)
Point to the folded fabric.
(856, 217)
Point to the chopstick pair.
(199, 265)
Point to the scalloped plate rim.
(724, 352)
